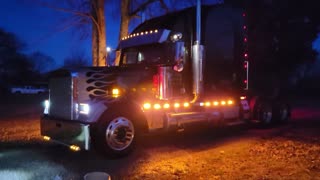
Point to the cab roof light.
(230, 102)
(223, 103)
(138, 34)
(186, 104)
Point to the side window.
(130, 57)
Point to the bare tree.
(76, 59)
(84, 12)
(99, 52)
(42, 63)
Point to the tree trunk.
(94, 42)
(125, 18)
(99, 52)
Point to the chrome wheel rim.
(120, 133)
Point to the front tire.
(116, 135)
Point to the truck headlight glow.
(84, 108)
(46, 105)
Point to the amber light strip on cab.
(139, 34)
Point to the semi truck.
(175, 71)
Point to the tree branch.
(141, 7)
(164, 6)
(78, 13)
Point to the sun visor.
(144, 38)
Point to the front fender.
(126, 105)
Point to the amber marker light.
(207, 104)
(223, 103)
(176, 105)
(156, 106)
(75, 148)
(216, 103)
(230, 102)
(115, 92)
(186, 104)
(166, 106)
(146, 106)
(47, 138)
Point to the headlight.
(46, 105)
(84, 108)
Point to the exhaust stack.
(197, 58)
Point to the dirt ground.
(290, 151)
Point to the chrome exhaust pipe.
(197, 58)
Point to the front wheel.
(116, 135)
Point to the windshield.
(149, 54)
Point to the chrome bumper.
(68, 133)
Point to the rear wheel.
(116, 135)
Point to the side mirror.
(179, 57)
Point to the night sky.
(39, 28)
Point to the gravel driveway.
(291, 151)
